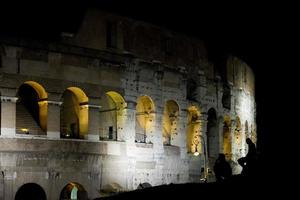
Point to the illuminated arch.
(238, 133)
(145, 118)
(227, 146)
(38, 88)
(111, 115)
(80, 95)
(74, 113)
(253, 135)
(73, 190)
(247, 133)
(170, 121)
(33, 97)
(118, 99)
(30, 191)
(193, 130)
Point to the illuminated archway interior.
(212, 133)
(227, 138)
(238, 135)
(30, 191)
(145, 116)
(170, 121)
(31, 109)
(111, 112)
(253, 134)
(193, 130)
(73, 191)
(247, 134)
(74, 114)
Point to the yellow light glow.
(170, 119)
(24, 129)
(193, 130)
(42, 103)
(75, 113)
(145, 115)
(227, 138)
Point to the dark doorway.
(30, 191)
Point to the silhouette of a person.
(222, 168)
(249, 162)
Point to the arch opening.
(31, 109)
(30, 191)
(170, 122)
(227, 147)
(74, 114)
(238, 137)
(111, 115)
(145, 119)
(194, 131)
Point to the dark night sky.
(250, 31)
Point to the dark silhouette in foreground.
(222, 168)
(250, 161)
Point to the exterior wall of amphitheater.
(146, 100)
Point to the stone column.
(53, 120)
(8, 116)
(204, 143)
(182, 132)
(9, 178)
(157, 135)
(232, 136)
(93, 134)
(129, 131)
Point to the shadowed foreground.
(238, 187)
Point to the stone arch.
(170, 122)
(247, 133)
(30, 191)
(111, 115)
(238, 137)
(253, 136)
(194, 130)
(212, 134)
(31, 109)
(74, 113)
(73, 190)
(145, 119)
(227, 144)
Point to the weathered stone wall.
(147, 60)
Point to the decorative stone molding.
(9, 99)
(55, 103)
(94, 106)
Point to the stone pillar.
(232, 136)
(129, 131)
(53, 120)
(93, 134)
(204, 144)
(158, 136)
(9, 182)
(182, 132)
(8, 116)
